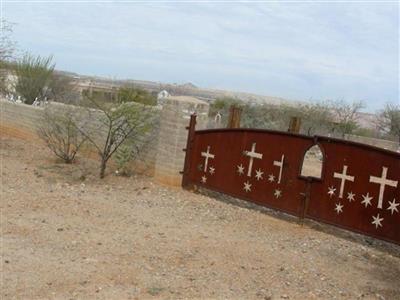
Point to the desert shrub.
(129, 93)
(59, 129)
(118, 124)
(34, 77)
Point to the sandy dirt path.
(67, 235)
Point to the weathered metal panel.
(359, 203)
(359, 189)
(256, 165)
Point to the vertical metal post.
(294, 125)
(235, 114)
(189, 145)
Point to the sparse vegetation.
(119, 123)
(59, 130)
(130, 93)
(34, 77)
(389, 120)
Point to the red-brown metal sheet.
(359, 203)
(359, 189)
(256, 165)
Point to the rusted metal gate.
(359, 188)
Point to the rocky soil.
(67, 235)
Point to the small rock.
(60, 229)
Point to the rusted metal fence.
(359, 188)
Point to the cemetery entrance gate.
(359, 187)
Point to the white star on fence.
(367, 199)
(331, 191)
(339, 208)
(259, 174)
(377, 221)
(278, 193)
(350, 196)
(271, 178)
(203, 179)
(212, 170)
(393, 206)
(240, 169)
(247, 187)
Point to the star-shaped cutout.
(350, 196)
(339, 208)
(247, 187)
(393, 206)
(366, 199)
(377, 221)
(240, 169)
(278, 193)
(212, 170)
(203, 179)
(259, 174)
(271, 178)
(331, 191)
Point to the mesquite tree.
(116, 124)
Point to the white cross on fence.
(279, 163)
(343, 177)
(207, 155)
(382, 181)
(252, 154)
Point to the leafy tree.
(117, 125)
(129, 93)
(389, 120)
(34, 77)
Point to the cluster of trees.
(336, 118)
(121, 128)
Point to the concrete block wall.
(175, 118)
(19, 120)
(22, 121)
(163, 157)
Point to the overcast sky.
(293, 50)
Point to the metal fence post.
(294, 125)
(189, 145)
(235, 114)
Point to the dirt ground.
(67, 235)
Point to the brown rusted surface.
(228, 151)
(228, 147)
(357, 214)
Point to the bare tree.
(7, 45)
(389, 120)
(117, 124)
(62, 88)
(345, 115)
(59, 130)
